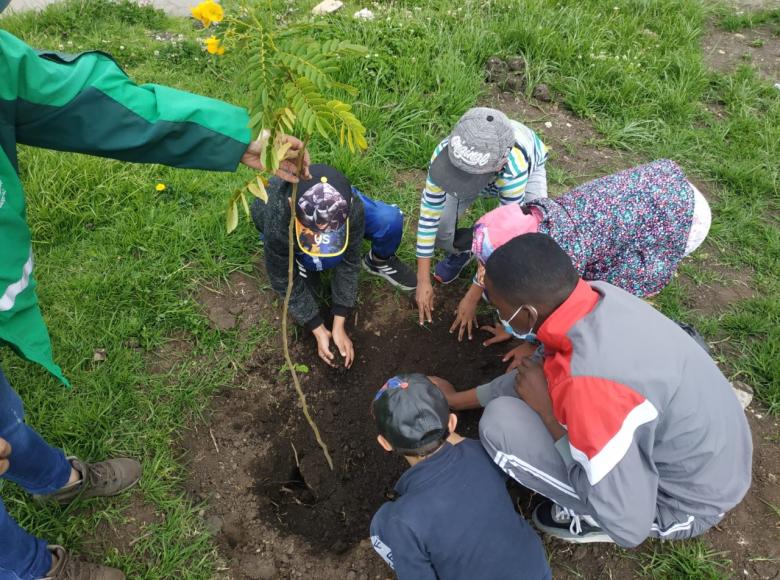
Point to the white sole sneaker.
(386, 272)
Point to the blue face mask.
(530, 335)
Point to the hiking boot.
(102, 479)
(392, 269)
(562, 523)
(64, 567)
(448, 269)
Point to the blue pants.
(384, 225)
(37, 467)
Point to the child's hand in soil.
(424, 298)
(466, 313)
(344, 344)
(517, 354)
(5, 453)
(498, 332)
(323, 337)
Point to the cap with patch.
(478, 148)
(412, 414)
(322, 212)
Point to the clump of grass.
(692, 560)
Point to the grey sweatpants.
(455, 207)
(517, 440)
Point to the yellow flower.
(208, 12)
(160, 187)
(214, 46)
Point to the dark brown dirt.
(277, 511)
(758, 48)
(259, 467)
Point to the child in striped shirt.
(487, 154)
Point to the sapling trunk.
(285, 307)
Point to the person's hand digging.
(466, 316)
(517, 354)
(288, 168)
(424, 297)
(498, 332)
(5, 453)
(342, 341)
(323, 337)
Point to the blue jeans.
(384, 225)
(37, 467)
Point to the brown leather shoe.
(64, 567)
(102, 479)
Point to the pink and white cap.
(497, 227)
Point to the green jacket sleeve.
(87, 104)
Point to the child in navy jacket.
(453, 519)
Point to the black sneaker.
(562, 523)
(393, 270)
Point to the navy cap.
(322, 212)
(4, 4)
(412, 414)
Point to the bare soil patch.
(758, 48)
(277, 511)
(721, 287)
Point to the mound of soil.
(332, 509)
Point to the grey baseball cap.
(478, 148)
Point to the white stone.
(548, 124)
(364, 14)
(327, 6)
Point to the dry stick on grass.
(285, 340)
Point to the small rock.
(364, 14)
(327, 6)
(495, 70)
(214, 525)
(548, 124)
(542, 93)
(515, 83)
(738, 35)
(516, 64)
(99, 355)
(777, 86)
(743, 392)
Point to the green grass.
(688, 559)
(117, 261)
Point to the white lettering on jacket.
(466, 154)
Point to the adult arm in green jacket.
(87, 104)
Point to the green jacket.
(86, 103)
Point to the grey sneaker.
(66, 568)
(102, 479)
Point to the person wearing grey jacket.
(621, 419)
(331, 220)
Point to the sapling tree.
(290, 74)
